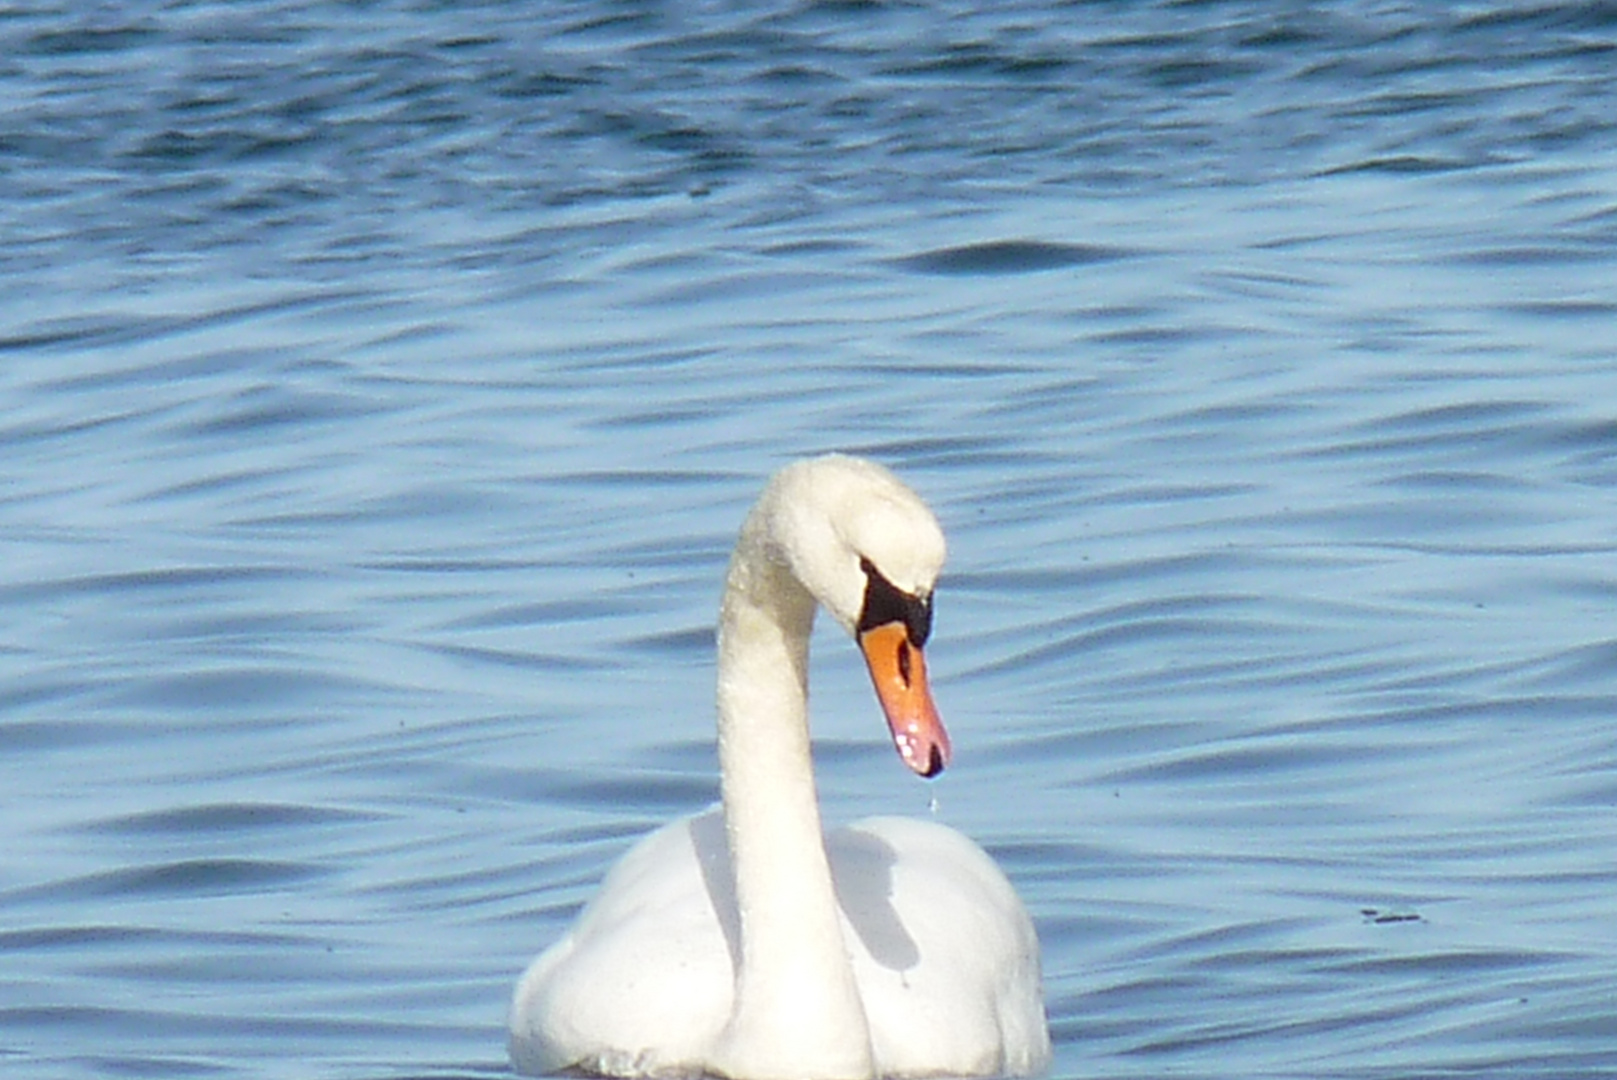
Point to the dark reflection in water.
(1007, 257)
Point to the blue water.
(381, 387)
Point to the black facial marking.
(886, 603)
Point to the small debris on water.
(1374, 915)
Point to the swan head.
(869, 551)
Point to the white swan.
(745, 943)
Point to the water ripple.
(1008, 257)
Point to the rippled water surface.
(383, 385)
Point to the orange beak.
(898, 670)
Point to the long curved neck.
(797, 1009)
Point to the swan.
(746, 943)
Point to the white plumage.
(743, 941)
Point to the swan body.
(746, 942)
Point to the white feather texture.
(745, 942)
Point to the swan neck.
(797, 1009)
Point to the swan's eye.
(887, 603)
